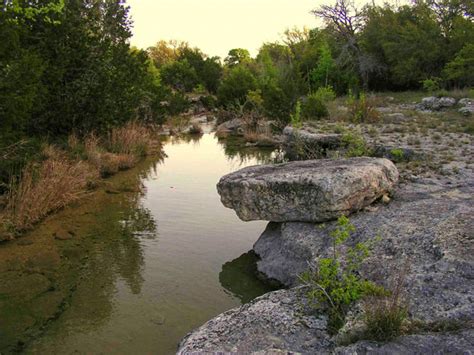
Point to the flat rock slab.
(270, 323)
(307, 191)
(431, 226)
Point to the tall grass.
(63, 175)
(45, 187)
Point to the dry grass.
(64, 175)
(386, 315)
(45, 187)
(133, 138)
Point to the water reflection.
(239, 277)
(151, 251)
(236, 150)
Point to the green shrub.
(295, 118)
(431, 85)
(355, 144)
(397, 155)
(362, 110)
(384, 318)
(326, 94)
(208, 101)
(385, 315)
(235, 86)
(314, 108)
(335, 282)
(178, 103)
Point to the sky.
(216, 26)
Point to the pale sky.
(216, 26)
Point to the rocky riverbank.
(426, 224)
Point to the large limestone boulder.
(307, 191)
(282, 323)
(271, 323)
(429, 226)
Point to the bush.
(178, 103)
(431, 85)
(385, 315)
(355, 144)
(209, 102)
(314, 108)
(235, 86)
(315, 105)
(335, 282)
(295, 118)
(362, 110)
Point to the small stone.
(385, 199)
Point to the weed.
(397, 155)
(385, 315)
(335, 281)
(355, 144)
(362, 110)
(295, 118)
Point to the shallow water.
(153, 258)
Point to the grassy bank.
(65, 172)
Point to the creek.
(143, 262)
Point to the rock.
(447, 102)
(62, 235)
(231, 127)
(323, 140)
(466, 102)
(396, 154)
(396, 117)
(274, 322)
(467, 110)
(428, 225)
(435, 103)
(282, 323)
(199, 119)
(307, 191)
(435, 343)
(303, 144)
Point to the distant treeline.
(426, 44)
(66, 65)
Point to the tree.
(237, 56)
(236, 85)
(461, 69)
(165, 52)
(180, 75)
(320, 75)
(346, 21)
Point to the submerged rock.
(307, 191)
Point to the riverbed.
(135, 266)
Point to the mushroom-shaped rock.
(307, 191)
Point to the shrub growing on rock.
(335, 281)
